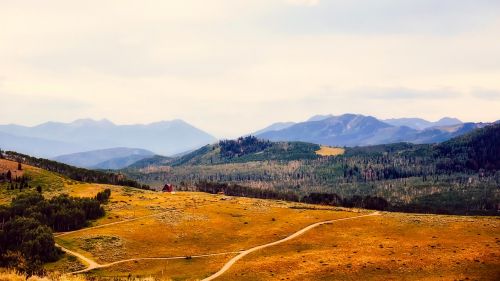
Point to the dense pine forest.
(26, 226)
(459, 176)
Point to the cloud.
(233, 66)
(303, 2)
(486, 94)
(407, 94)
(443, 17)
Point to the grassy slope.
(388, 247)
(414, 247)
(51, 183)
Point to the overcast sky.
(231, 67)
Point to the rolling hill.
(438, 178)
(165, 137)
(206, 231)
(112, 158)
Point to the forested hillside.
(241, 150)
(475, 151)
(458, 176)
(71, 172)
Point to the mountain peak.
(320, 117)
(447, 121)
(90, 121)
(450, 119)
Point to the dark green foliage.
(61, 213)
(247, 149)
(323, 199)
(242, 146)
(282, 151)
(103, 196)
(402, 174)
(331, 199)
(477, 202)
(75, 173)
(26, 240)
(239, 190)
(33, 239)
(477, 150)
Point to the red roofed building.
(168, 188)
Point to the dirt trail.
(94, 265)
(298, 233)
(91, 264)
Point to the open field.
(387, 247)
(391, 246)
(330, 151)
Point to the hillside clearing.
(330, 151)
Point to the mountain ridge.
(111, 158)
(163, 137)
(358, 130)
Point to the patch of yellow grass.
(387, 247)
(182, 269)
(330, 151)
(192, 224)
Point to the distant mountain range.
(53, 138)
(112, 158)
(421, 124)
(171, 138)
(360, 130)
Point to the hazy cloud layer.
(231, 67)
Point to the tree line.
(331, 199)
(26, 226)
(79, 174)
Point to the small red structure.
(168, 188)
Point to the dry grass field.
(147, 224)
(387, 247)
(330, 151)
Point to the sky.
(232, 67)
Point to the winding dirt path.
(94, 265)
(91, 264)
(298, 233)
